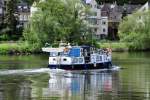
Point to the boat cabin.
(77, 55)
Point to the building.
(1, 11)
(94, 18)
(98, 23)
(23, 12)
(115, 14)
(145, 7)
(33, 9)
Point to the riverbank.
(115, 46)
(24, 48)
(16, 48)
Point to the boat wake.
(24, 71)
(52, 72)
(66, 73)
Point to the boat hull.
(106, 65)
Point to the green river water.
(28, 78)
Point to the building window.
(97, 36)
(21, 18)
(93, 21)
(103, 22)
(95, 14)
(19, 7)
(104, 30)
(1, 11)
(25, 7)
(25, 17)
(95, 29)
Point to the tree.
(10, 21)
(134, 29)
(57, 20)
(121, 2)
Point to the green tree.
(134, 29)
(10, 21)
(121, 2)
(57, 20)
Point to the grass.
(25, 48)
(115, 46)
(17, 47)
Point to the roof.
(1, 3)
(48, 49)
(131, 8)
(114, 11)
(23, 7)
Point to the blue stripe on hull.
(82, 66)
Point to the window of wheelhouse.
(53, 54)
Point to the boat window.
(80, 60)
(75, 60)
(53, 54)
(98, 58)
(54, 59)
(85, 53)
(81, 51)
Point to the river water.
(28, 78)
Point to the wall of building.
(98, 24)
(104, 26)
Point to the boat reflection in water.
(84, 85)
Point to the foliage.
(121, 2)
(57, 20)
(135, 30)
(8, 29)
(10, 21)
(4, 37)
(114, 45)
(17, 48)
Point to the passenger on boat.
(109, 51)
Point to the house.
(33, 9)
(98, 23)
(23, 12)
(115, 13)
(94, 18)
(145, 7)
